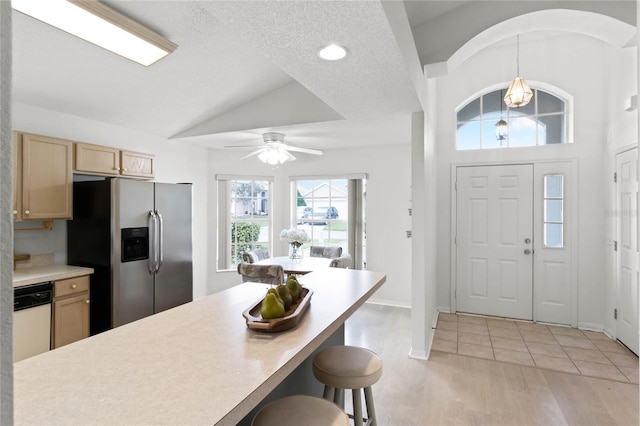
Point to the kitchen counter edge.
(40, 274)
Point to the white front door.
(494, 228)
(627, 239)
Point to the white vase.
(295, 251)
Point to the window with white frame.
(244, 220)
(331, 211)
(541, 122)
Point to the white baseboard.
(414, 354)
(610, 333)
(388, 303)
(434, 318)
(590, 326)
(444, 309)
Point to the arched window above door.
(541, 122)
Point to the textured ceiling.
(245, 67)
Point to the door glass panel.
(553, 235)
(553, 219)
(553, 211)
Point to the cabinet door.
(137, 164)
(70, 320)
(17, 176)
(47, 178)
(97, 159)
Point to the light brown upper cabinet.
(97, 159)
(137, 164)
(46, 178)
(102, 160)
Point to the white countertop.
(43, 273)
(194, 364)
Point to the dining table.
(297, 266)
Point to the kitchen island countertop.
(195, 364)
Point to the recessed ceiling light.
(98, 24)
(333, 52)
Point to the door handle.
(527, 251)
(151, 223)
(160, 241)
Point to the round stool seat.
(347, 367)
(299, 410)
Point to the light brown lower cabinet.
(70, 311)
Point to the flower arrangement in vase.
(295, 237)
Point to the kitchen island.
(194, 364)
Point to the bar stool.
(299, 410)
(349, 367)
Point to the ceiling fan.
(275, 151)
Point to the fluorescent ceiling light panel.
(96, 23)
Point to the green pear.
(275, 292)
(283, 291)
(271, 307)
(292, 285)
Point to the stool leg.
(328, 393)
(338, 397)
(371, 411)
(357, 407)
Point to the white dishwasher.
(31, 320)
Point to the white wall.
(388, 198)
(577, 65)
(175, 162)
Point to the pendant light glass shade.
(518, 94)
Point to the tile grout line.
(563, 347)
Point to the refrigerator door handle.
(152, 223)
(160, 241)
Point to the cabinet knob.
(73, 286)
(125, 170)
(116, 169)
(27, 212)
(15, 212)
(86, 301)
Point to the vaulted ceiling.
(246, 67)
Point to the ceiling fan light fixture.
(98, 24)
(333, 52)
(275, 156)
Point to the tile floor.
(556, 348)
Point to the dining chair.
(252, 256)
(330, 252)
(268, 274)
(344, 261)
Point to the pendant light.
(502, 129)
(519, 94)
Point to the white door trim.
(572, 223)
(631, 342)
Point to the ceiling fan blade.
(256, 152)
(304, 150)
(290, 156)
(243, 146)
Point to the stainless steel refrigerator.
(137, 237)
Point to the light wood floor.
(451, 389)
